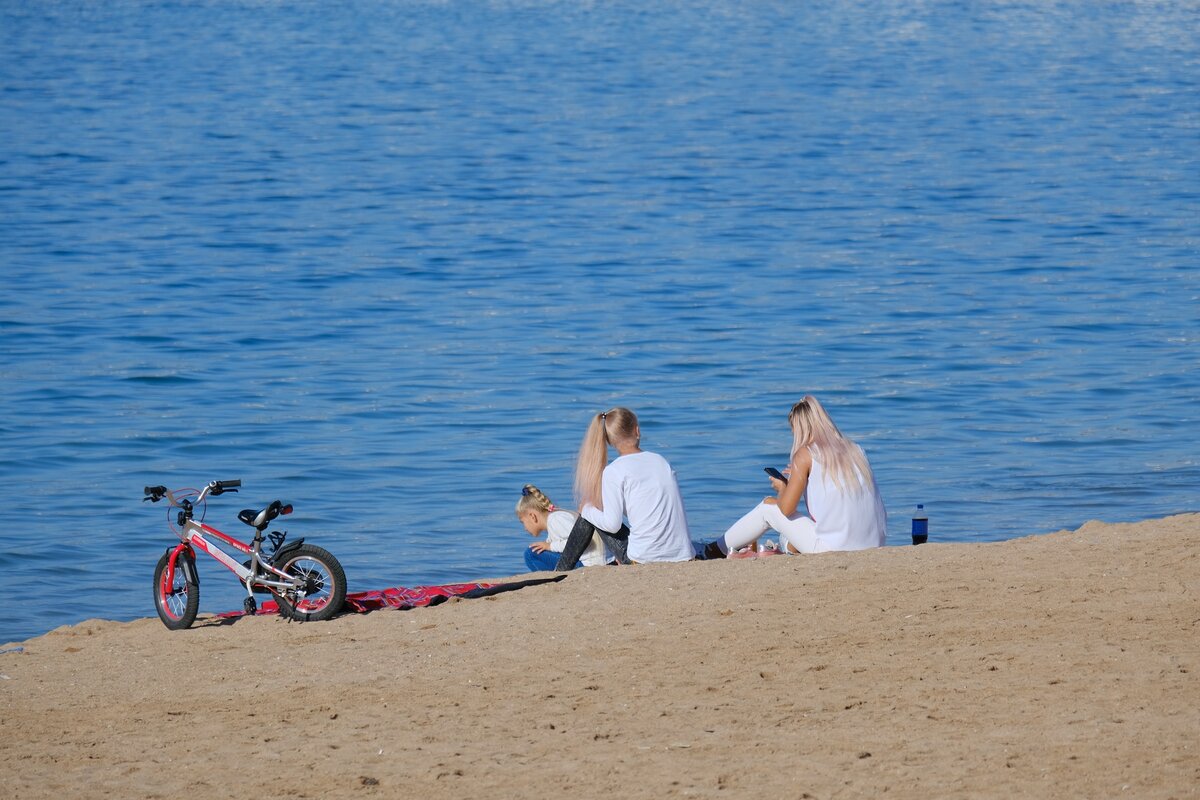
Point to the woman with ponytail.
(639, 486)
(539, 516)
(832, 475)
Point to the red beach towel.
(403, 598)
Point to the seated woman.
(832, 475)
(638, 486)
(539, 515)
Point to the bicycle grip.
(228, 484)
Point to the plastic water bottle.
(920, 525)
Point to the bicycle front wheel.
(177, 602)
(324, 588)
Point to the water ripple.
(386, 259)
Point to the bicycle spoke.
(311, 573)
(176, 598)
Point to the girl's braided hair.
(532, 499)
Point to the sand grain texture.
(1062, 665)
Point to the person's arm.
(608, 519)
(789, 494)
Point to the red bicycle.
(307, 582)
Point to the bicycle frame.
(195, 534)
(307, 582)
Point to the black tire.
(325, 584)
(176, 604)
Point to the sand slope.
(1063, 665)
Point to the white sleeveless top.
(846, 519)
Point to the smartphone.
(774, 473)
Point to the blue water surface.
(385, 259)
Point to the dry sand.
(1062, 665)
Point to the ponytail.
(589, 468)
(617, 426)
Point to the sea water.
(386, 259)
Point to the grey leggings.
(581, 536)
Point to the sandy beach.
(1060, 665)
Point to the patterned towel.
(403, 598)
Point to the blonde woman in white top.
(831, 474)
(638, 486)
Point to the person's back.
(638, 485)
(642, 487)
(847, 518)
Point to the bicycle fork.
(190, 573)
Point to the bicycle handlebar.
(156, 493)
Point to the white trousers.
(797, 530)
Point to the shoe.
(745, 552)
(769, 549)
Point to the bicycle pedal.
(251, 606)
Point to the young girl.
(638, 486)
(831, 473)
(538, 514)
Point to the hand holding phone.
(776, 474)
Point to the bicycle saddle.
(260, 519)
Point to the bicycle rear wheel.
(324, 584)
(178, 602)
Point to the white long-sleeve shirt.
(642, 488)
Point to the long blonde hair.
(843, 460)
(532, 499)
(615, 426)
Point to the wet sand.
(1061, 665)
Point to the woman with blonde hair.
(832, 475)
(539, 515)
(638, 485)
